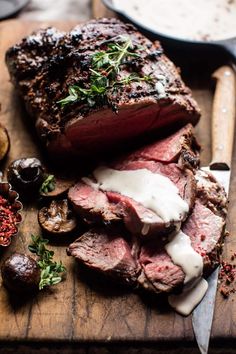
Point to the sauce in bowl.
(201, 20)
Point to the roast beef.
(106, 251)
(44, 65)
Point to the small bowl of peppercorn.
(10, 216)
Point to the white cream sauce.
(183, 254)
(186, 19)
(185, 302)
(154, 191)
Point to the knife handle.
(223, 118)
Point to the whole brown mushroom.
(26, 176)
(20, 273)
(57, 218)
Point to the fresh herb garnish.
(48, 184)
(51, 272)
(105, 68)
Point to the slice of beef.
(205, 230)
(45, 64)
(107, 252)
(159, 273)
(180, 147)
(95, 205)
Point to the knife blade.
(222, 125)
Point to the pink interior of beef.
(92, 203)
(105, 129)
(204, 229)
(106, 251)
(159, 269)
(165, 150)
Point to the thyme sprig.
(48, 184)
(51, 272)
(104, 70)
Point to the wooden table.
(80, 313)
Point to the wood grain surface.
(82, 309)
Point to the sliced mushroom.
(57, 218)
(4, 142)
(61, 186)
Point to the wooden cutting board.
(78, 309)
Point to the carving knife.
(222, 125)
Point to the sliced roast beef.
(159, 273)
(106, 251)
(44, 65)
(155, 269)
(181, 147)
(94, 204)
(205, 230)
(151, 267)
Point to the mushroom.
(26, 176)
(20, 273)
(4, 142)
(57, 218)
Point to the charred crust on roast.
(211, 193)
